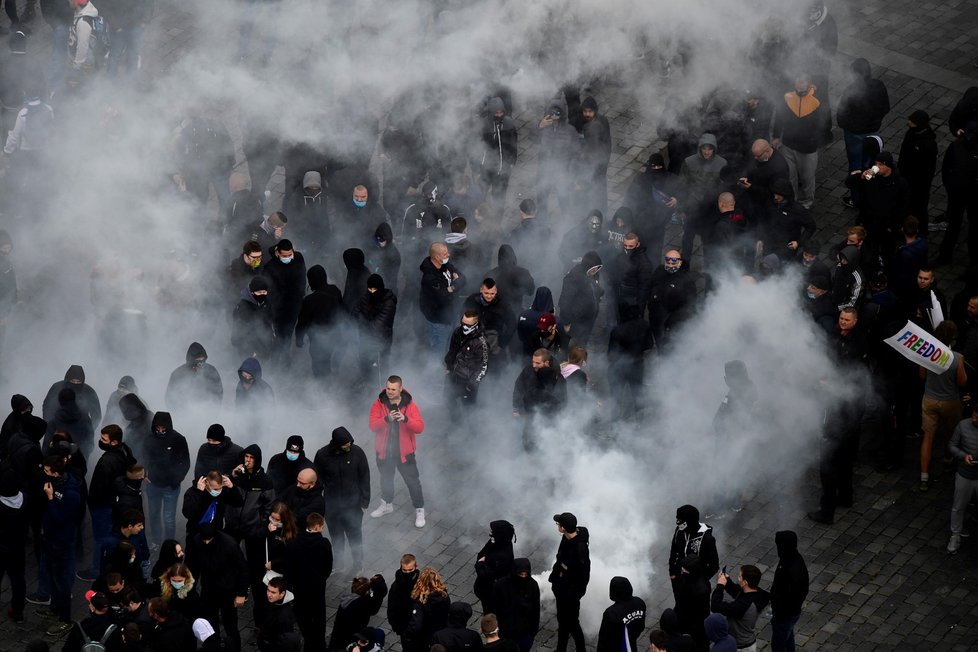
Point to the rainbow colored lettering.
(924, 348)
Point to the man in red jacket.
(396, 422)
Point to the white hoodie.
(80, 37)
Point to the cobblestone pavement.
(880, 576)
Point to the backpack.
(99, 43)
(96, 646)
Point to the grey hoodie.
(703, 175)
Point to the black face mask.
(260, 298)
(104, 446)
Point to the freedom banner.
(919, 346)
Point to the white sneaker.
(954, 543)
(384, 509)
(419, 517)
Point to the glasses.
(673, 260)
(254, 256)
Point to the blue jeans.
(438, 336)
(102, 539)
(59, 57)
(856, 156)
(161, 508)
(127, 48)
(783, 633)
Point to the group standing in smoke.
(741, 181)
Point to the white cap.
(202, 629)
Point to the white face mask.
(444, 261)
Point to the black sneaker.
(847, 200)
(35, 598)
(59, 629)
(86, 575)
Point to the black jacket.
(399, 603)
(634, 279)
(354, 613)
(467, 358)
(192, 383)
(219, 567)
(304, 502)
(288, 284)
(175, 634)
(221, 457)
(539, 390)
(166, 456)
(457, 637)
(96, 626)
(572, 570)
(918, 156)
(959, 171)
(308, 564)
(111, 465)
(426, 619)
(357, 274)
(196, 504)
(252, 332)
(437, 303)
(625, 618)
(139, 423)
(514, 282)
(517, 601)
(496, 563)
(375, 315)
(283, 471)
(257, 495)
(345, 475)
(864, 102)
(385, 260)
(701, 543)
(580, 296)
(321, 310)
(85, 396)
(790, 586)
(883, 200)
(277, 623)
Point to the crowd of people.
(739, 176)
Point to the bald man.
(440, 296)
(766, 165)
(305, 497)
(673, 293)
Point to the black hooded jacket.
(494, 562)
(526, 322)
(457, 637)
(864, 102)
(695, 539)
(625, 618)
(71, 418)
(790, 586)
(572, 569)
(221, 457)
(357, 274)
(111, 465)
(514, 282)
(399, 603)
(194, 383)
(385, 260)
(436, 302)
(321, 309)
(20, 407)
(517, 602)
(580, 296)
(467, 358)
(166, 456)
(308, 564)
(139, 422)
(634, 278)
(288, 284)
(375, 315)
(219, 567)
(85, 396)
(257, 495)
(541, 390)
(354, 613)
(345, 475)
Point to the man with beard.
(497, 320)
(396, 422)
(539, 389)
(595, 155)
(305, 495)
(342, 467)
(195, 382)
(466, 363)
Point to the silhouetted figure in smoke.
(311, 228)
(517, 603)
(167, 462)
(404, 169)
(245, 209)
(467, 255)
(559, 149)
(595, 155)
(20, 408)
(357, 217)
(319, 319)
(356, 278)
(205, 157)
(692, 538)
(580, 297)
(569, 579)
(137, 424)
(917, 163)
(734, 418)
(195, 382)
(242, 268)
(673, 297)
(70, 418)
(788, 591)
(653, 195)
(267, 231)
(308, 563)
(701, 173)
(254, 400)
(86, 397)
(624, 621)
(494, 562)
(375, 312)
(252, 332)
(501, 137)
(531, 237)
(539, 390)
(342, 468)
(396, 422)
(514, 281)
(584, 237)
(632, 277)
(383, 256)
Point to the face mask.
(286, 259)
(681, 526)
(811, 295)
(214, 492)
(628, 252)
(159, 433)
(468, 330)
(260, 298)
(595, 227)
(255, 264)
(177, 585)
(672, 270)
(276, 524)
(444, 261)
(292, 457)
(132, 560)
(802, 93)
(104, 446)
(359, 204)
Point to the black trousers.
(408, 470)
(219, 608)
(309, 615)
(346, 523)
(569, 623)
